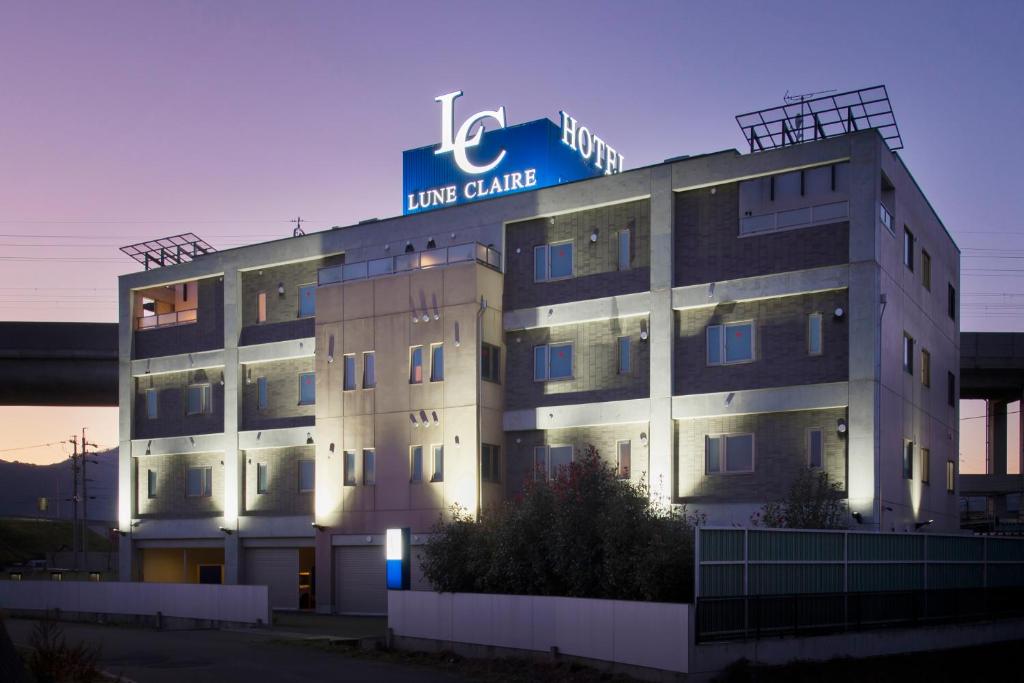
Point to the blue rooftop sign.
(474, 162)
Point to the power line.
(982, 417)
(26, 448)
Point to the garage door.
(278, 570)
(359, 583)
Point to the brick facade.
(205, 334)
(283, 409)
(596, 272)
(282, 496)
(708, 247)
(171, 479)
(781, 357)
(172, 400)
(595, 364)
(280, 307)
(780, 451)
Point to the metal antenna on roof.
(298, 227)
(798, 129)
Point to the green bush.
(585, 534)
(813, 502)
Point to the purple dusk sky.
(122, 121)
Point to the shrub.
(584, 534)
(813, 502)
(52, 659)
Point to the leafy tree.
(584, 534)
(813, 502)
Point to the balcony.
(150, 322)
(392, 265)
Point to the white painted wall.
(647, 634)
(240, 604)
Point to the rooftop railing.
(416, 260)
(150, 322)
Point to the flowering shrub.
(813, 502)
(584, 534)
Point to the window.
(262, 477)
(908, 248)
(552, 361)
(729, 453)
(369, 466)
(151, 483)
(886, 218)
(950, 476)
(552, 261)
(926, 465)
(416, 464)
(438, 469)
(490, 363)
(814, 340)
(198, 400)
(416, 365)
(926, 269)
(815, 448)
(152, 403)
(307, 476)
(908, 354)
(261, 393)
(926, 368)
(951, 389)
(349, 379)
(369, 370)
(624, 249)
(624, 356)
(908, 459)
(307, 388)
(951, 301)
(261, 307)
(199, 482)
(437, 362)
(490, 462)
(307, 301)
(622, 454)
(350, 468)
(549, 461)
(730, 343)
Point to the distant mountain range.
(23, 484)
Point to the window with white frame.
(437, 472)
(152, 404)
(262, 477)
(261, 307)
(416, 365)
(199, 482)
(926, 465)
(908, 354)
(950, 476)
(908, 248)
(436, 362)
(369, 466)
(490, 362)
(307, 388)
(625, 357)
(307, 476)
(552, 361)
(198, 401)
(369, 370)
(551, 461)
(151, 483)
(416, 464)
(908, 459)
(729, 453)
(490, 462)
(625, 249)
(730, 343)
(307, 301)
(552, 261)
(261, 393)
(814, 334)
(349, 467)
(815, 448)
(623, 459)
(348, 381)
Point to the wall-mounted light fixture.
(433, 414)
(593, 237)
(431, 244)
(426, 318)
(841, 425)
(412, 418)
(330, 349)
(643, 330)
(458, 340)
(280, 289)
(149, 444)
(318, 527)
(857, 517)
(838, 313)
(643, 437)
(119, 532)
(309, 439)
(920, 525)
(225, 530)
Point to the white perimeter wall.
(241, 604)
(648, 634)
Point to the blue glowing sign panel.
(483, 159)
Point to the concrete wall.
(282, 496)
(234, 604)
(642, 634)
(780, 452)
(708, 246)
(780, 344)
(171, 477)
(283, 407)
(595, 364)
(172, 402)
(596, 272)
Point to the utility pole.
(74, 502)
(85, 503)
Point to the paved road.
(148, 656)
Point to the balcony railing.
(417, 260)
(151, 322)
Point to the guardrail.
(416, 260)
(150, 322)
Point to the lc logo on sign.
(459, 142)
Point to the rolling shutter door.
(359, 580)
(278, 570)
